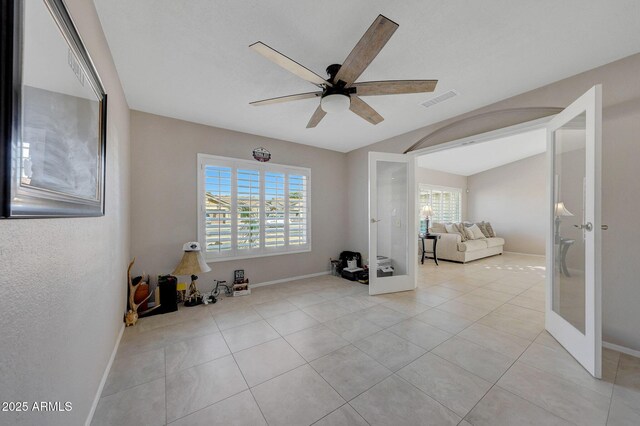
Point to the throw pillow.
(483, 228)
(451, 228)
(490, 230)
(462, 231)
(470, 235)
(477, 233)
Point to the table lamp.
(427, 211)
(192, 263)
(561, 210)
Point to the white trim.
(439, 187)
(96, 399)
(622, 349)
(525, 254)
(284, 280)
(540, 123)
(251, 256)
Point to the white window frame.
(233, 254)
(429, 187)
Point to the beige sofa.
(451, 247)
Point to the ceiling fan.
(340, 91)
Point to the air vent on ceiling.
(440, 98)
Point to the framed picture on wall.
(53, 115)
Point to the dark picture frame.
(53, 115)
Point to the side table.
(435, 238)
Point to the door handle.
(604, 227)
(374, 220)
(587, 226)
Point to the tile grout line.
(613, 389)
(496, 384)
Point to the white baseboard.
(622, 349)
(104, 379)
(284, 280)
(525, 254)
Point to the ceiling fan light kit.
(340, 91)
(336, 102)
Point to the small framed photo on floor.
(53, 115)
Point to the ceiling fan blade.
(286, 98)
(288, 63)
(363, 109)
(366, 50)
(394, 87)
(316, 117)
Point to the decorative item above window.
(53, 115)
(261, 154)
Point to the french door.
(392, 223)
(573, 292)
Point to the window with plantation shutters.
(249, 209)
(445, 202)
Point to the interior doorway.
(572, 150)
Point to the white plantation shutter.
(217, 199)
(445, 202)
(249, 209)
(275, 209)
(298, 220)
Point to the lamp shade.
(335, 103)
(561, 210)
(192, 263)
(427, 211)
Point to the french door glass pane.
(392, 207)
(568, 288)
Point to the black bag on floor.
(349, 255)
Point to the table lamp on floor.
(427, 211)
(192, 263)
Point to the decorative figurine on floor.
(131, 317)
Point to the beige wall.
(620, 194)
(513, 198)
(63, 280)
(437, 178)
(163, 188)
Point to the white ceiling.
(189, 59)
(470, 159)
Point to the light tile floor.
(467, 347)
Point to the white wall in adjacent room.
(513, 198)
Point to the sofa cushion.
(472, 245)
(438, 228)
(494, 241)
